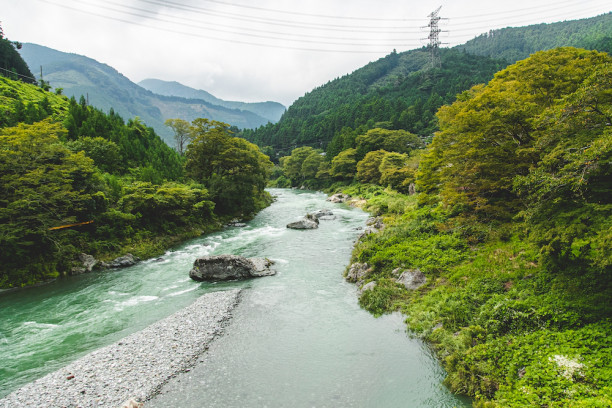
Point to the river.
(297, 339)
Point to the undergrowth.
(510, 331)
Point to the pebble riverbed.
(136, 366)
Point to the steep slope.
(106, 88)
(516, 43)
(393, 92)
(400, 92)
(269, 110)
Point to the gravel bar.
(136, 366)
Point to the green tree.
(234, 171)
(397, 171)
(344, 165)
(311, 164)
(292, 165)
(105, 154)
(368, 168)
(487, 136)
(42, 185)
(399, 141)
(182, 133)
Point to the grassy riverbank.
(510, 331)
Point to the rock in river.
(229, 267)
(308, 222)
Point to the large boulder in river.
(229, 267)
(308, 222)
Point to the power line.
(297, 13)
(15, 73)
(279, 46)
(249, 18)
(210, 25)
(294, 39)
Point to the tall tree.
(182, 133)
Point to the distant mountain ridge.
(106, 88)
(269, 110)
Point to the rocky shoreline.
(136, 366)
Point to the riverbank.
(137, 365)
(510, 330)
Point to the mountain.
(394, 92)
(516, 43)
(105, 88)
(269, 110)
(400, 91)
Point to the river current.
(297, 339)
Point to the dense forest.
(507, 213)
(74, 180)
(394, 92)
(515, 43)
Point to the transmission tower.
(434, 38)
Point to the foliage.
(512, 230)
(392, 92)
(344, 165)
(105, 154)
(368, 168)
(233, 170)
(140, 148)
(516, 43)
(85, 181)
(43, 185)
(182, 133)
(398, 141)
(490, 134)
(25, 103)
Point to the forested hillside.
(393, 92)
(399, 91)
(105, 88)
(74, 180)
(516, 43)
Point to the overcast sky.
(266, 49)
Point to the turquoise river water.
(297, 339)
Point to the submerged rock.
(310, 221)
(229, 267)
(324, 215)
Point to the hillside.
(106, 88)
(393, 92)
(268, 110)
(399, 92)
(516, 43)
